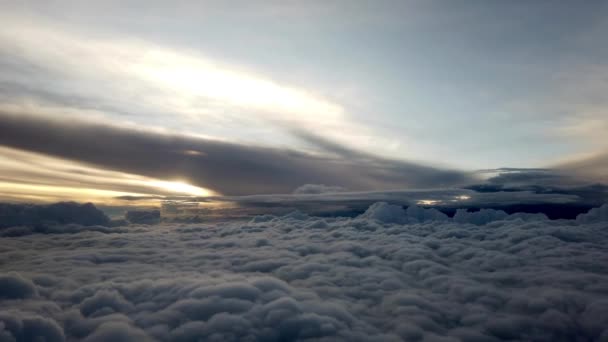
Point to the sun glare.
(180, 188)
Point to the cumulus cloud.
(59, 218)
(391, 213)
(16, 326)
(594, 215)
(143, 216)
(13, 286)
(391, 274)
(63, 212)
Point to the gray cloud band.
(228, 168)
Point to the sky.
(108, 100)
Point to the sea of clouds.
(388, 275)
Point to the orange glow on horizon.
(32, 177)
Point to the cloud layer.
(389, 274)
(228, 168)
(64, 212)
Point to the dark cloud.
(118, 332)
(13, 286)
(388, 275)
(485, 216)
(512, 183)
(23, 327)
(390, 213)
(560, 180)
(594, 215)
(311, 189)
(225, 167)
(555, 204)
(418, 175)
(445, 200)
(63, 212)
(528, 178)
(56, 229)
(143, 216)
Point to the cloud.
(560, 183)
(13, 286)
(57, 229)
(594, 215)
(59, 213)
(485, 216)
(161, 79)
(304, 278)
(119, 332)
(556, 204)
(228, 168)
(143, 216)
(309, 189)
(35, 177)
(593, 167)
(19, 327)
(390, 213)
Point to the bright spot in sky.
(192, 78)
(194, 153)
(428, 202)
(180, 188)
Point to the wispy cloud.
(131, 80)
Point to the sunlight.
(427, 202)
(32, 176)
(180, 188)
(192, 77)
(53, 193)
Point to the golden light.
(192, 78)
(52, 193)
(34, 177)
(178, 187)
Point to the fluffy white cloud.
(594, 215)
(387, 275)
(391, 213)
